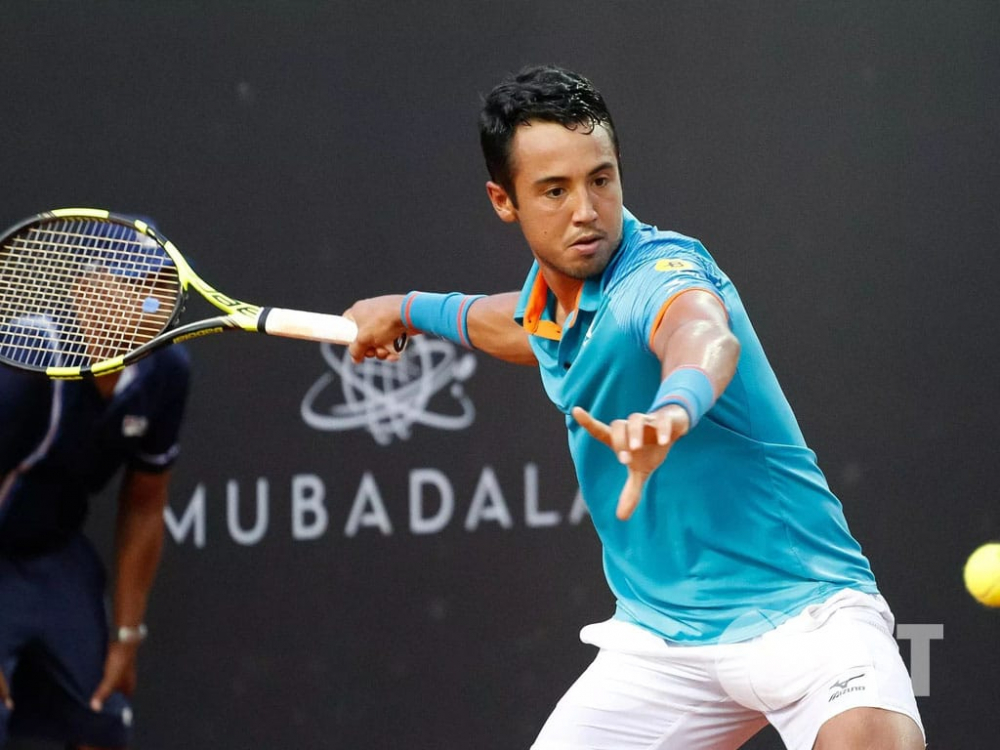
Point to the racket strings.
(77, 292)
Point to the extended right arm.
(486, 322)
(492, 329)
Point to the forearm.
(138, 549)
(483, 323)
(493, 330)
(698, 354)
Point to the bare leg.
(869, 729)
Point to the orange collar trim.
(533, 311)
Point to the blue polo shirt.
(738, 530)
(61, 441)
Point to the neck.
(566, 290)
(105, 384)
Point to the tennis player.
(64, 673)
(742, 597)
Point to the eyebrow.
(599, 168)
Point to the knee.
(870, 729)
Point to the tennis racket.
(87, 292)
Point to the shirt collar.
(535, 296)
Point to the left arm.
(138, 546)
(692, 333)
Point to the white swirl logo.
(388, 398)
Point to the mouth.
(588, 244)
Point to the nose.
(584, 211)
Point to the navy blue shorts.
(53, 641)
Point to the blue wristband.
(444, 315)
(689, 388)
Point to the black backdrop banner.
(395, 555)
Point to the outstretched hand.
(641, 442)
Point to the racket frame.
(238, 315)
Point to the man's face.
(116, 313)
(569, 197)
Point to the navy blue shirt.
(61, 441)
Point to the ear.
(502, 202)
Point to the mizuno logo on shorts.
(844, 686)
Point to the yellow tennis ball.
(982, 574)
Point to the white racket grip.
(298, 324)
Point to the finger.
(628, 501)
(663, 426)
(100, 695)
(636, 430)
(670, 422)
(619, 440)
(597, 429)
(357, 353)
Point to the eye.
(555, 192)
(602, 181)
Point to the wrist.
(687, 387)
(444, 315)
(129, 634)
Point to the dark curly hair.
(542, 92)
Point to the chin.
(588, 270)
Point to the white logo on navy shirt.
(134, 426)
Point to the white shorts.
(642, 694)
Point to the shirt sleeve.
(160, 445)
(654, 276)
